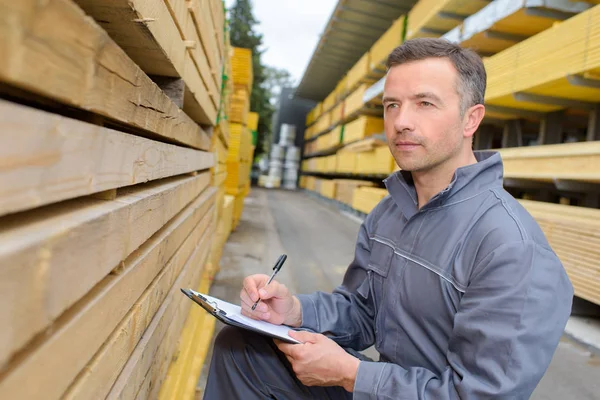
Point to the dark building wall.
(292, 110)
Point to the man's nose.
(404, 119)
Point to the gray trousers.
(246, 365)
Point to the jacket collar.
(467, 182)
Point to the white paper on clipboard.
(234, 312)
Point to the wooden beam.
(146, 31)
(104, 369)
(168, 319)
(76, 63)
(199, 14)
(54, 158)
(194, 342)
(82, 330)
(573, 161)
(572, 234)
(41, 252)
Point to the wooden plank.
(365, 145)
(575, 161)
(41, 252)
(189, 32)
(218, 18)
(53, 158)
(149, 35)
(193, 343)
(97, 378)
(573, 233)
(171, 312)
(81, 331)
(208, 43)
(76, 63)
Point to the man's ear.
(473, 118)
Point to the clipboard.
(237, 320)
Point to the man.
(452, 281)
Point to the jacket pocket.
(380, 262)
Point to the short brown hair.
(471, 71)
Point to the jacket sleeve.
(347, 314)
(509, 323)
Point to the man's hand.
(276, 306)
(319, 361)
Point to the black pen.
(276, 269)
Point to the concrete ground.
(319, 241)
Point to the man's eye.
(392, 105)
(426, 104)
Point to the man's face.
(422, 117)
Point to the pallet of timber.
(241, 65)
(164, 44)
(361, 128)
(366, 198)
(328, 188)
(503, 23)
(346, 161)
(345, 189)
(574, 234)
(240, 141)
(568, 161)
(252, 121)
(240, 106)
(358, 74)
(341, 89)
(96, 335)
(84, 159)
(238, 209)
(192, 348)
(382, 48)
(433, 18)
(329, 102)
(356, 106)
(86, 70)
(337, 114)
(378, 161)
(238, 174)
(368, 144)
(531, 75)
(69, 232)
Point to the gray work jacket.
(463, 298)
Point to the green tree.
(242, 33)
(275, 80)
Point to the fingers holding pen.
(261, 311)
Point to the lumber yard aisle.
(125, 148)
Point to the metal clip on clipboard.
(231, 318)
(208, 305)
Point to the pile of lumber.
(112, 194)
(574, 234)
(365, 199)
(241, 138)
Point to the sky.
(291, 30)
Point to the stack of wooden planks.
(574, 234)
(111, 193)
(241, 148)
